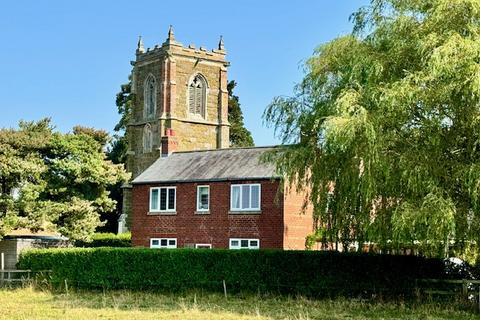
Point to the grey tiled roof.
(209, 165)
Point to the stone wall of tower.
(173, 66)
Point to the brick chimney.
(169, 142)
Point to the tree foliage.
(119, 146)
(385, 127)
(239, 135)
(53, 181)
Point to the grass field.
(27, 303)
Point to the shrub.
(106, 240)
(304, 272)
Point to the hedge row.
(288, 272)
(106, 240)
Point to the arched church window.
(197, 96)
(147, 138)
(150, 97)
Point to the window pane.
(236, 197)
(198, 98)
(253, 243)
(172, 242)
(191, 98)
(151, 98)
(244, 243)
(147, 138)
(255, 190)
(163, 242)
(171, 199)
(234, 243)
(163, 199)
(204, 201)
(245, 197)
(203, 198)
(155, 242)
(154, 199)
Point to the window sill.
(162, 213)
(202, 212)
(245, 212)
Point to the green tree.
(101, 136)
(239, 135)
(54, 181)
(117, 151)
(384, 129)
(124, 101)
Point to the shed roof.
(28, 234)
(210, 165)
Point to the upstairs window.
(150, 97)
(163, 199)
(203, 198)
(245, 197)
(147, 138)
(197, 96)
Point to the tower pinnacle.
(140, 47)
(171, 35)
(221, 45)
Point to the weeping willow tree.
(383, 131)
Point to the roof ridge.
(228, 149)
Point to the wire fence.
(17, 277)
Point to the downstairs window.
(163, 243)
(237, 243)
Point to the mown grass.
(29, 303)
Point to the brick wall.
(214, 228)
(298, 221)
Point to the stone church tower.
(181, 103)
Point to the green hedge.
(304, 272)
(106, 240)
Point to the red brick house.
(223, 198)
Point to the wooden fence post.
(66, 286)
(225, 289)
(465, 289)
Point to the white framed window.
(245, 197)
(163, 199)
(203, 198)
(166, 243)
(203, 246)
(241, 243)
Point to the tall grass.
(34, 303)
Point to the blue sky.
(67, 59)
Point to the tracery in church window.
(197, 96)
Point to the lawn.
(27, 303)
